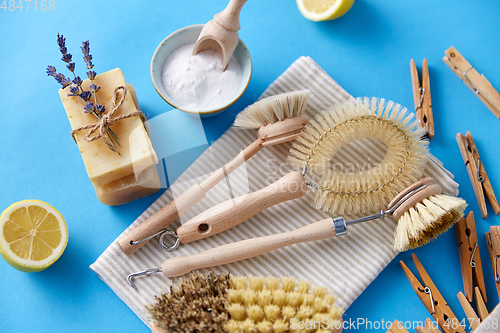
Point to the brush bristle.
(213, 303)
(427, 220)
(272, 109)
(274, 304)
(179, 310)
(366, 190)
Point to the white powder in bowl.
(197, 83)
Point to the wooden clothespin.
(477, 174)
(429, 327)
(432, 299)
(493, 241)
(475, 81)
(422, 97)
(471, 315)
(481, 306)
(397, 327)
(470, 258)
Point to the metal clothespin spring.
(428, 291)
(422, 93)
(497, 278)
(472, 262)
(470, 83)
(479, 177)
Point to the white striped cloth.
(346, 265)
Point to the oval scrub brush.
(423, 213)
(280, 118)
(224, 303)
(364, 191)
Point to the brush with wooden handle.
(279, 119)
(338, 192)
(423, 200)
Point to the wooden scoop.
(221, 33)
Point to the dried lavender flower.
(66, 57)
(94, 88)
(89, 107)
(74, 90)
(100, 108)
(87, 57)
(71, 67)
(86, 95)
(65, 82)
(91, 75)
(61, 41)
(51, 71)
(85, 47)
(77, 80)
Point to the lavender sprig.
(76, 84)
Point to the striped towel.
(346, 265)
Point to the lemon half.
(323, 10)
(33, 235)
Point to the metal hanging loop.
(146, 239)
(144, 272)
(168, 247)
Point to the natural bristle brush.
(423, 213)
(338, 192)
(279, 118)
(225, 303)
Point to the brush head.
(425, 220)
(223, 303)
(273, 109)
(366, 190)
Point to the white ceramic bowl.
(189, 35)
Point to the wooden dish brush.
(279, 118)
(225, 303)
(422, 211)
(338, 192)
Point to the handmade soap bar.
(129, 188)
(103, 165)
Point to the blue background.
(367, 52)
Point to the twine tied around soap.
(99, 129)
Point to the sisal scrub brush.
(224, 303)
(314, 150)
(279, 118)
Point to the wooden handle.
(249, 248)
(161, 219)
(229, 18)
(233, 212)
(168, 214)
(157, 329)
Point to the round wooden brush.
(430, 213)
(338, 192)
(224, 303)
(279, 118)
